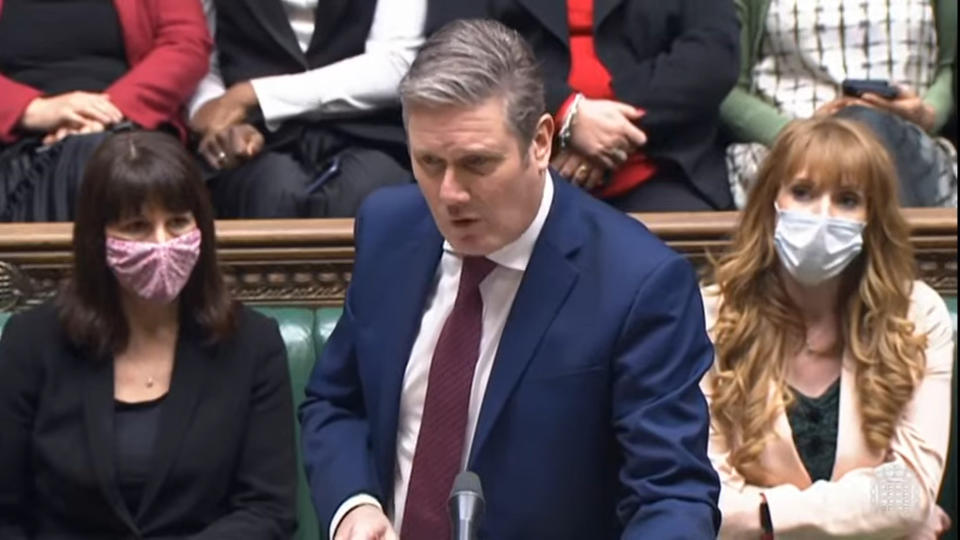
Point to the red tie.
(437, 458)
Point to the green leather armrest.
(326, 321)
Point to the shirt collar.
(516, 254)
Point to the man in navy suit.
(505, 322)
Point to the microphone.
(466, 506)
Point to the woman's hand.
(71, 110)
(579, 169)
(604, 131)
(91, 126)
(907, 105)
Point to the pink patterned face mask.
(153, 271)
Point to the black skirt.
(39, 183)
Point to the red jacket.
(168, 49)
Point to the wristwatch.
(566, 129)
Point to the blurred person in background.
(71, 71)
(796, 55)
(299, 115)
(635, 88)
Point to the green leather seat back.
(325, 321)
(297, 327)
(305, 333)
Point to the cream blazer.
(869, 495)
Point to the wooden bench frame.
(307, 262)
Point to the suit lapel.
(852, 449)
(552, 14)
(601, 10)
(412, 268)
(327, 18)
(780, 456)
(190, 369)
(547, 282)
(276, 22)
(98, 409)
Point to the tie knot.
(474, 270)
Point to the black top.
(814, 425)
(223, 458)
(135, 432)
(59, 46)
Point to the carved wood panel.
(309, 262)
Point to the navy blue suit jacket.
(592, 425)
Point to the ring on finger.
(221, 156)
(581, 172)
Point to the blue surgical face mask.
(816, 247)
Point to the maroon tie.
(439, 451)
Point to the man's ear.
(542, 142)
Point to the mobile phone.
(858, 87)
(332, 170)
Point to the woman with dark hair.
(143, 402)
(830, 389)
(72, 70)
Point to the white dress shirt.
(497, 291)
(363, 82)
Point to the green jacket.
(751, 118)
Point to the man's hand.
(227, 148)
(90, 126)
(365, 522)
(579, 169)
(605, 131)
(227, 110)
(906, 105)
(73, 110)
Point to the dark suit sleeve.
(263, 493)
(335, 431)
(20, 382)
(659, 413)
(687, 81)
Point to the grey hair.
(468, 61)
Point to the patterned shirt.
(810, 46)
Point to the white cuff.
(359, 499)
(282, 97)
(210, 87)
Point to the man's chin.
(469, 244)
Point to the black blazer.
(676, 59)
(225, 465)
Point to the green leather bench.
(305, 332)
